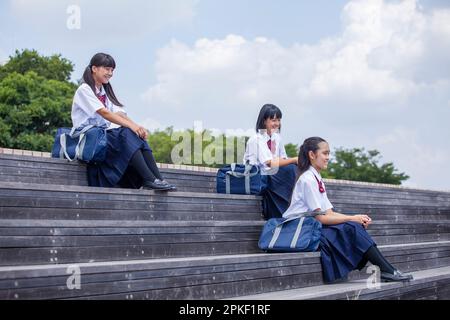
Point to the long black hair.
(310, 144)
(268, 111)
(101, 60)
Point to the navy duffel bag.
(240, 179)
(88, 145)
(296, 234)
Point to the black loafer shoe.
(410, 276)
(156, 185)
(172, 187)
(396, 276)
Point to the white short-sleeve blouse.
(306, 196)
(258, 153)
(86, 104)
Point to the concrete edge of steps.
(354, 290)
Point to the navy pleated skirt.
(277, 195)
(342, 249)
(115, 170)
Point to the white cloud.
(376, 59)
(387, 69)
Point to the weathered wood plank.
(144, 215)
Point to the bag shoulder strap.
(302, 215)
(74, 133)
(62, 141)
(246, 173)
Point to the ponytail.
(303, 160)
(88, 78)
(310, 144)
(101, 60)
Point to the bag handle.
(301, 215)
(74, 134)
(62, 142)
(80, 146)
(81, 142)
(246, 173)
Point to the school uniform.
(122, 142)
(342, 245)
(279, 181)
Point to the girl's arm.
(279, 162)
(331, 218)
(122, 121)
(123, 115)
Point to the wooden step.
(73, 241)
(39, 201)
(27, 169)
(212, 277)
(61, 172)
(430, 284)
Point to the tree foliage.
(291, 150)
(203, 149)
(35, 99)
(54, 67)
(196, 148)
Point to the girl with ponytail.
(345, 244)
(311, 144)
(129, 160)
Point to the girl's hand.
(140, 131)
(143, 133)
(363, 219)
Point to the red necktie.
(102, 98)
(270, 144)
(320, 183)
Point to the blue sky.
(360, 73)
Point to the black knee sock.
(376, 258)
(138, 162)
(151, 163)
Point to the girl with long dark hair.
(129, 159)
(266, 150)
(345, 244)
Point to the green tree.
(35, 99)
(162, 145)
(358, 165)
(291, 150)
(54, 67)
(212, 147)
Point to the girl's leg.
(376, 258)
(277, 195)
(150, 181)
(388, 272)
(151, 164)
(139, 164)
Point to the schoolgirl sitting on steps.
(266, 150)
(129, 160)
(345, 244)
